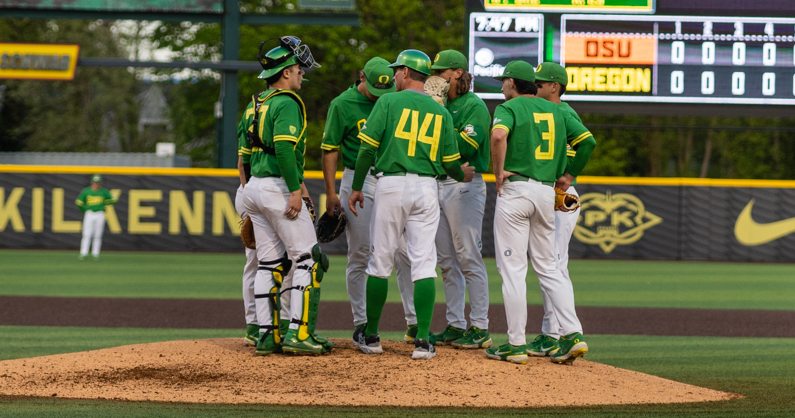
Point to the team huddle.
(415, 142)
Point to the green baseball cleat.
(473, 338)
(252, 335)
(447, 336)
(324, 342)
(266, 346)
(572, 346)
(293, 345)
(506, 352)
(543, 346)
(411, 333)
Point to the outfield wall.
(193, 210)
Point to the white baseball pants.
(265, 200)
(358, 235)
(458, 245)
(249, 269)
(404, 206)
(524, 218)
(93, 227)
(565, 222)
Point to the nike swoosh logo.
(481, 340)
(750, 233)
(455, 111)
(463, 191)
(499, 353)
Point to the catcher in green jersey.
(411, 140)
(551, 81)
(528, 143)
(272, 197)
(347, 114)
(463, 205)
(92, 201)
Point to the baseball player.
(528, 143)
(462, 207)
(411, 139)
(551, 81)
(92, 201)
(346, 116)
(289, 257)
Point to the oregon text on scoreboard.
(679, 59)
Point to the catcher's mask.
(301, 53)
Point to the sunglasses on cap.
(293, 43)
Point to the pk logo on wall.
(608, 220)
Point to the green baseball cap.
(414, 59)
(96, 178)
(379, 77)
(519, 70)
(449, 58)
(552, 71)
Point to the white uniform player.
(249, 273)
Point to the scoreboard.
(679, 59)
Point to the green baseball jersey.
(412, 134)
(94, 201)
(471, 120)
(347, 114)
(281, 118)
(538, 132)
(570, 152)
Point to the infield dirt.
(226, 371)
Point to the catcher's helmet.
(289, 52)
(414, 59)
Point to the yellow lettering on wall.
(9, 210)
(136, 212)
(627, 79)
(58, 223)
(643, 79)
(600, 79)
(110, 214)
(614, 79)
(592, 217)
(586, 79)
(179, 209)
(223, 209)
(574, 78)
(37, 210)
(622, 218)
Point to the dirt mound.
(225, 371)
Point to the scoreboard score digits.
(679, 59)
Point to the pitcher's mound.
(225, 371)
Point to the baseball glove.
(310, 206)
(329, 226)
(565, 200)
(247, 233)
(437, 88)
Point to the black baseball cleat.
(370, 344)
(357, 332)
(423, 350)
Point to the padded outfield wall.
(163, 209)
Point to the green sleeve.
(81, 200)
(503, 119)
(288, 166)
(109, 199)
(451, 158)
(364, 161)
(243, 147)
(581, 141)
(334, 130)
(473, 132)
(373, 130)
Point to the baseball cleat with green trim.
(357, 331)
(293, 345)
(473, 338)
(572, 346)
(266, 346)
(543, 346)
(252, 335)
(324, 343)
(506, 352)
(447, 336)
(411, 333)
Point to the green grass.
(758, 368)
(217, 276)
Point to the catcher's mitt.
(437, 88)
(310, 207)
(329, 226)
(565, 200)
(247, 233)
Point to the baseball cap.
(379, 77)
(96, 178)
(519, 70)
(449, 58)
(551, 71)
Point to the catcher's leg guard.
(311, 298)
(278, 268)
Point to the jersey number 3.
(549, 135)
(420, 134)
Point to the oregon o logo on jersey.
(608, 220)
